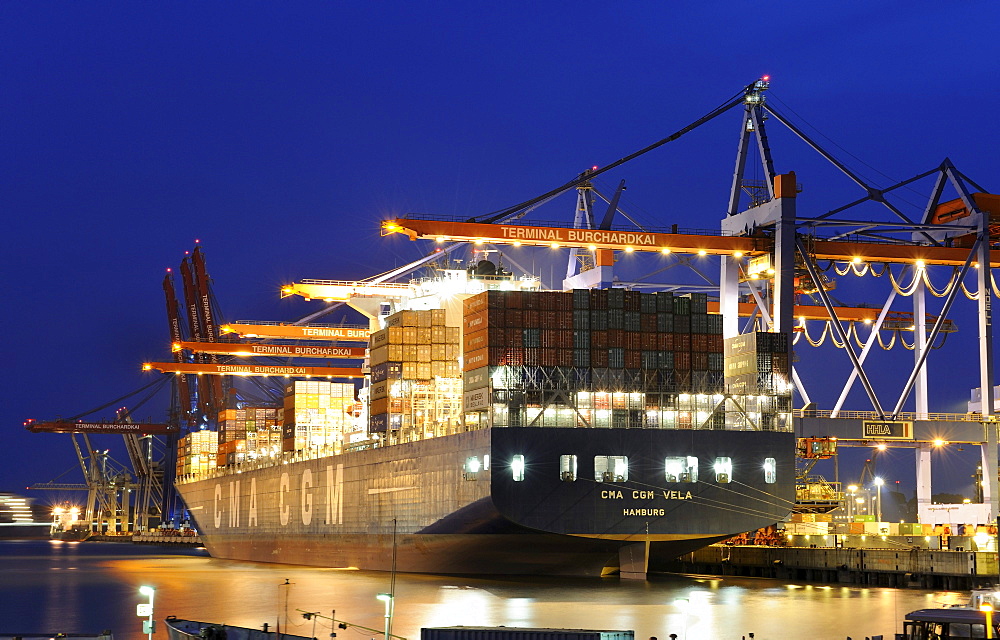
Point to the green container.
(864, 518)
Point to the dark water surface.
(86, 587)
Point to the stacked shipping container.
(597, 357)
(235, 424)
(416, 385)
(196, 452)
(317, 414)
(757, 362)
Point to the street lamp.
(878, 483)
(148, 626)
(387, 599)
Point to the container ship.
(503, 429)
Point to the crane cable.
(160, 381)
(490, 218)
(910, 288)
(852, 333)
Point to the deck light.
(665, 250)
(702, 252)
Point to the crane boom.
(207, 319)
(177, 335)
(597, 239)
(351, 333)
(255, 370)
(68, 426)
(246, 349)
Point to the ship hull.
(434, 510)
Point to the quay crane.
(118, 495)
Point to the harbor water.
(87, 587)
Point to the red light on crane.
(765, 78)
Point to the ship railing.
(909, 416)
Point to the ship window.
(486, 462)
(611, 468)
(681, 469)
(567, 468)
(723, 468)
(770, 470)
(517, 467)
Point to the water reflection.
(93, 586)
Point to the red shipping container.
(530, 301)
(699, 342)
(564, 319)
(565, 301)
(682, 361)
(714, 342)
(548, 319)
(565, 339)
(633, 340)
(531, 318)
(514, 337)
(649, 341)
(515, 300)
(548, 357)
(550, 338)
(513, 356)
(633, 359)
(599, 340)
(532, 356)
(616, 338)
(564, 357)
(515, 317)
(682, 342)
(664, 342)
(599, 357)
(648, 322)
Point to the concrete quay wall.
(917, 568)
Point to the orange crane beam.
(302, 332)
(68, 426)
(556, 237)
(596, 240)
(254, 370)
(245, 349)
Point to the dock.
(919, 568)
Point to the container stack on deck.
(317, 414)
(416, 386)
(196, 452)
(592, 358)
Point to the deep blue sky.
(281, 133)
